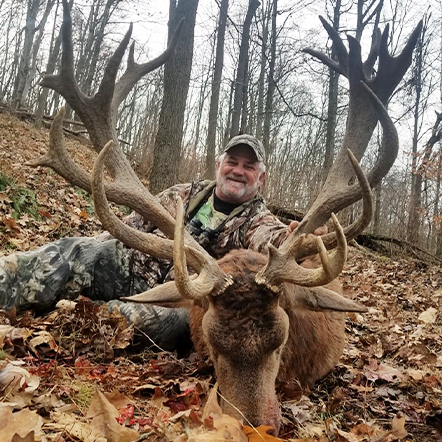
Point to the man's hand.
(322, 230)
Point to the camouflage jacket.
(249, 226)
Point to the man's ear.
(218, 165)
(261, 178)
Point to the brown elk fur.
(264, 337)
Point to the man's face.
(239, 176)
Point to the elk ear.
(320, 298)
(163, 295)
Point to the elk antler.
(365, 109)
(364, 112)
(98, 113)
(211, 277)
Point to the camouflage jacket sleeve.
(264, 228)
(168, 199)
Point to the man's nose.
(238, 170)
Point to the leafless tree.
(216, 83)
(166, 155)
(241, 70)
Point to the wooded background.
(239, 66)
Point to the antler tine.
(58, 158)
(135, 71)
(283, 267)
(373, 55)
(342, 195)
(309, 246)
(210, 276)
(341, 65)
(147, 243)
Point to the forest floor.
(77, 373)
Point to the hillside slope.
(387, 387)
(36, 205)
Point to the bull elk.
(261, 318)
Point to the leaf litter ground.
(80, 373)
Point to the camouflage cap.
(250, 141)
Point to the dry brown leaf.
(83, 214)
(343, 436)
(429, 316)
(10, 223)
(117, 399)
(260, 434)
(398, 426)
(104, 423)
(20, 423)
(70, 424)
(43, 337)
(30, 437)
(376, 371)
(221, 427)
(310, 439)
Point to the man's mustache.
(236, 178)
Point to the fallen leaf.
(429, 316)
(70, 424)
(104, 421)
(30, 437)
(218, 427)
(117, 399)
(17, 378)
(10, 223)
(20, 423)
(260, 433)
(376, 371)
(43, 338)
(398, 426)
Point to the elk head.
(248, 302)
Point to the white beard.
(231, 187)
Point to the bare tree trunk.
(36, 48)
(25, 55)
(50, 68)
(109, 8)
(364, 17)
(229, 114)
(149, 127)
(216, 84)
(3, 90)
(244, 99)
(414, 217)
(242, 67)
(176, 85)
(262, 71)
(377, 210)
(332, 111)
(437, 218)
(201, 101)
(270, 83)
